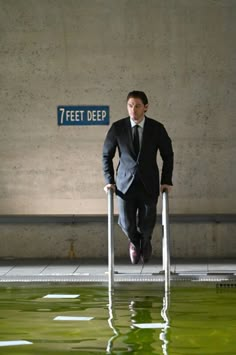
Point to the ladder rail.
(166, 239)
(110, 239)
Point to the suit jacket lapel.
(145, 137)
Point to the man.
(138, 139)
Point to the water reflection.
(111, 322)
(141, 311)
(165, 316)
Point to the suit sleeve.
(167, 155)
(109, 150)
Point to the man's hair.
(138, 95)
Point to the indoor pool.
(135, 319)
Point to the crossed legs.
(137, 215)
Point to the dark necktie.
(136, 140)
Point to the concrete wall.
(182, 53)
(89, 240)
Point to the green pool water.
(191, 320)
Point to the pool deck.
(96, 270)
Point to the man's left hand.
(166, 187)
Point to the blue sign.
(82, 115)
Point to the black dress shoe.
(134, 253)
(146, 250)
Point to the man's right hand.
(109, 187)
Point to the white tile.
(91, 269)
(14, 342)
(150, 325)
(60, 296)
(67, 318)
(59, 270)
(5, 269)
(25, 270)
(191, 267)
(222, 267)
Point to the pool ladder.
(165, 239)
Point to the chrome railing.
(110, 240)
(166, 239)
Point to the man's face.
(136, 109)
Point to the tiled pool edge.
(196, 279)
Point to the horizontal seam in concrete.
(77, 219)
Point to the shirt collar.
(141, 124)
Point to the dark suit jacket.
(154, 138)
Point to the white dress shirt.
(140, 130)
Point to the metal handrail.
(165, 330)
(110, 239)
(111, 324)
(166, 239)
